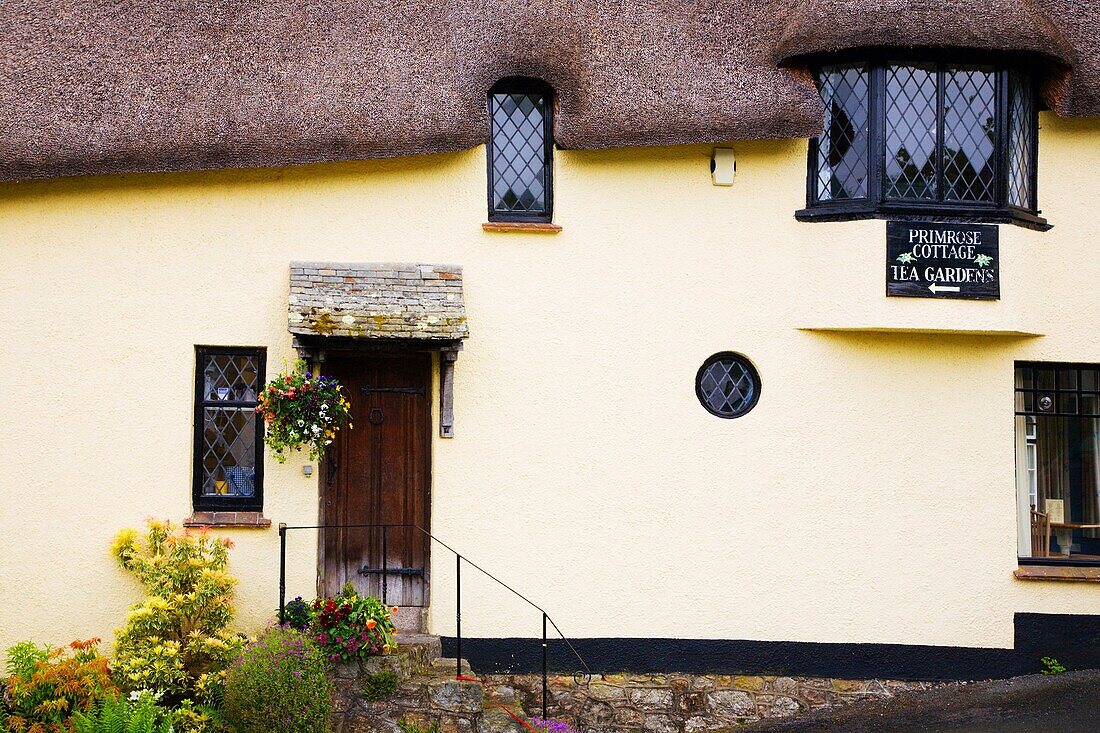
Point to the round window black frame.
(748, 366)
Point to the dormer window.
(955, 141)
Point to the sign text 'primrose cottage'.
(942, 260)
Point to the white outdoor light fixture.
(723, 166)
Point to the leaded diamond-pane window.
(843, 160)
(969, 133)
(918, 138)
(911, 165)
(520, 151)
(228, 432)
(727, 385)
(1021, 138)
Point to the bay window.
(925, 138)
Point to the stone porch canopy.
(378, 307)
(377, 301)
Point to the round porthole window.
(727, 385)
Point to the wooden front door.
(378, 473)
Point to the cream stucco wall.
(868, 498)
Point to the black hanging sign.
(942, 260)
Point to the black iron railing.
(385, 571)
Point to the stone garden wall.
(620, 703)
(682, 703)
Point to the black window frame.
(876, 205)
(1056, 391)
(750, 369)
(207, 502)
(530, 86)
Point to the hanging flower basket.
(302, 411)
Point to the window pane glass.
(520, 165)
(1066, 488)
(1067, 379)
(842, 148)
(1021, 135)
(969, 133)
(911, 132)
(1090, 380)
(230, 377)
(229, 451)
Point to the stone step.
(449, 665)
(415, 652)
(425, 647)
(411, 619)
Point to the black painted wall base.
(1073, 640)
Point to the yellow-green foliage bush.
(176, 642)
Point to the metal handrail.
(459, 558)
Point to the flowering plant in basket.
(302, 410)
(350, 627)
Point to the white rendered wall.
(868, 498)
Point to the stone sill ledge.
(244, 520)
(1058, 572)
(543, 227)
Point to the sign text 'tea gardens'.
(926, 260)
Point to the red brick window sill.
(247, 520)
(1055, 572)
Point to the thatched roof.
(825, 26)
(102, 86)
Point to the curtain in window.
(1090, 459)
(1052, 443)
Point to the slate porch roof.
(377, 301)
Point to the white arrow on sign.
(943, 288)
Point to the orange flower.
(371, 624)
(393, 610)
(385, 648)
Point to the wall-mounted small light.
(723, 166)
(307, 470)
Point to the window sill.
(543, 227)
(1061, 573)
(902, 212)
(244, 520)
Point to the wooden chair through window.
(1040, 534)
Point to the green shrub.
(279, 685)
(1052, 666)
(47, 685)
(296, 614)
(175, 643)
(139, 714)
(379, 686)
